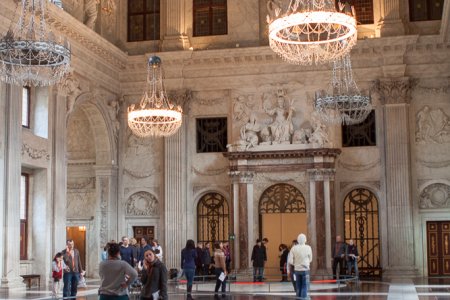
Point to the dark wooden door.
(140, 231)
(438, 240)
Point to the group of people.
(118, 269)
(345, 253)
(197, 261)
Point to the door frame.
(423, 242)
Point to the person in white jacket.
(300, 257)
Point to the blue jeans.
(189, 273)
(352, 263)
(258, 273)
(70, 280)
(302, 283)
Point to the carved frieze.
(209, 172)
(360, 166)
(35, 153)
(104, 197)
(81, 183)
(432, 126)
(241, 176)
(181, 97)
(394, 91)
(375, 184)
(142, 204)
(137, 174)
(321, 174)
(434, 164)
(436, 195)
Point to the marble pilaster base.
(12, 283)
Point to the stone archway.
(282, 216)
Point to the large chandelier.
(343, 103)
(30, 54)
(155, 116)
(304, 32)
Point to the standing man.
(259, 257)
(352, 258)
(126, 251)
(265, 242)
(144, 247)
(206, 260)
(73, 270)
(198, 260)
(339, 250)
(300, 257)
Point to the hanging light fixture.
(343, 103)
(30, 54)
(155, 116)
(304, 32)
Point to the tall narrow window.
(24, 194)
(26, 107)
(143, 20)
(425, 10)
(210, 17)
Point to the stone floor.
(409, 289)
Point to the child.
(57, 272)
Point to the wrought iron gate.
(362, 226)
(212, 218)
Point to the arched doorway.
(282, 216)
(212, 218)
(362, 225)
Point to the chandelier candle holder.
(155, 116)
(30, 54)
(306, 32)
(343, 103)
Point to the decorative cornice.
(34, 153)
(325, 152)
(434, 90)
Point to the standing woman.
(115, 276)
(154, 277)
(283, 260)
(220, 267)
(188, 258)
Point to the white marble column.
(394, 94)
(175, 37)
(10, 162)
(445, 22)
(236, 229)
(390, 23)
(175, 196)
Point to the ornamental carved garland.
(34, 153)
(436, 195)
(142, 204)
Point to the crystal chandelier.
(342, 103)
(155, 116)
(304, 32)
(30, 54)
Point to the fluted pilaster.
(175, 37)
(390, 23)
(175, 196)
(10, 160)
(395, 97)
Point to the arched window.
(362, 226)
(212, 218)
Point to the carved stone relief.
(113, 111)
(432, 126)
(242, 106)
(81, 183)
(90, 12)
(70, 86)
(80, 138)
(142, 157)
(394, 91)
(35, 153)
(80, 203)
(436, 195)
(104, 195)
(274, 124)
(142, 204)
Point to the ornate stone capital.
(394, 90)
(321, 174)
(181, 97)
(242, 176)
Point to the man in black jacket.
(259, 257)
